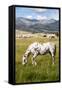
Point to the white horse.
(39, 49)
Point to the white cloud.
(29, 17)
(40, 10)
(41, 17)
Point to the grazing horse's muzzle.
(24, 60)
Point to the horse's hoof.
(53, 63)
(35, 63)
(23, 63)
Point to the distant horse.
(39, 49)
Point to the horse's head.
(24, 59)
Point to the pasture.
(44, 70)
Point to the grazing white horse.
(39, 49)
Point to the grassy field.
(44, 70)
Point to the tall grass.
(43, 71)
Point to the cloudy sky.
(36, 13)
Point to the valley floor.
(44, 71)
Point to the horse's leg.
(53, 59)
(52, 55)
(33, 59)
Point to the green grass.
(43, 71)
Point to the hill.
(33, 25)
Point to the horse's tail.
(55, 49)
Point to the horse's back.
(33, 45)
(46, 46)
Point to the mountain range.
(34, 25)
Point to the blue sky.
(36, 13)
